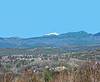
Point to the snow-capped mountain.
(80, 38)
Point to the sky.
(31, 18)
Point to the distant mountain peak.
(53, 33)
(79, 32)
(97, 34)
(75, 34)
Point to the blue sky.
(29, 18)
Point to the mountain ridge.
(80, 38)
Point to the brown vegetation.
(87, 72)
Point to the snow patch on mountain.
(53, 33)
